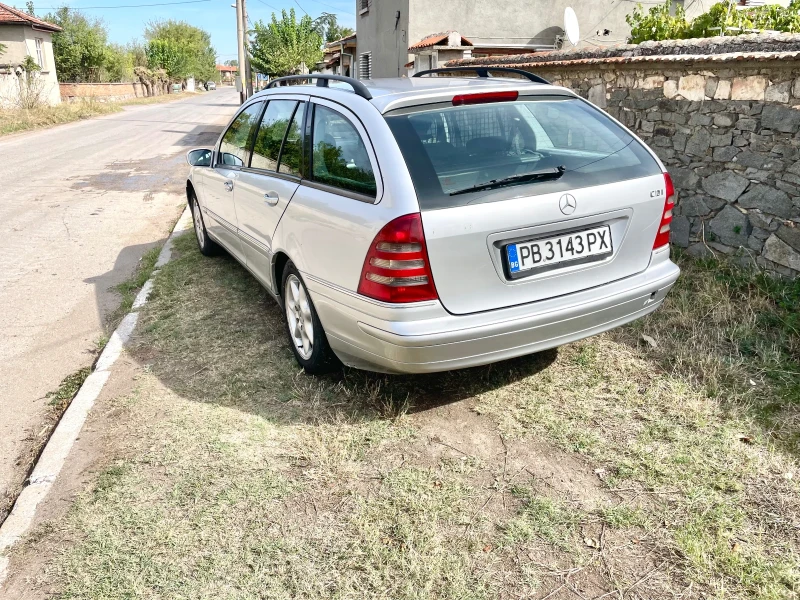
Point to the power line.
(334, 7)
(301, 8)
(269, 6)
(121, 6)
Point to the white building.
(24, 35)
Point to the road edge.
(56, 451)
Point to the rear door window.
(449, 149)
(339, 156)
(292, 153)
(233, 149)
(271, 132)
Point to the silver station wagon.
(431, 223)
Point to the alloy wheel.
(298, 315)
(198, 223)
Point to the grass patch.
(543, 518)
(735, 334)
(60, 398)
(243, 477)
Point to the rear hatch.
(528, 198)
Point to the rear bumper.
(424, 338)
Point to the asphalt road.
(79, 205)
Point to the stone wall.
(727, 126)
(101, 92)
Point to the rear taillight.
(397, 268)
(662, 237)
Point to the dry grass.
(13, 121)
(609, 467)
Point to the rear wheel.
(306, 336)
(208, 247)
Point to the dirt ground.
(212, 467)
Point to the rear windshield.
(449, 149)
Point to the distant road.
(79, 205)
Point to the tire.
(208, 247)
(312, 351)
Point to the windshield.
(452, 149)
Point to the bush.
(659, 23)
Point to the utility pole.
(247, 70)
(240, 44)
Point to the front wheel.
(208, 247)
(306, 336)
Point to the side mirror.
(199, 157)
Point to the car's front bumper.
(425, 338)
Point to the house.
(433, 51)
(227, 74)
(339, 56)
(24, 35)
(394, 36)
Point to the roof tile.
(436, 38)
(11, 16)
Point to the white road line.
(58, 447)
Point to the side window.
(339, 156)
(270, 134)
(233, 149)
(293, 146)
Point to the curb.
(57, 449)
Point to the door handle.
(229, 185)
(271, 198)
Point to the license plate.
(524, 256)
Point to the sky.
(215, 16)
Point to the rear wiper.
(543, 175)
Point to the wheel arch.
(190, 191)
(279, 263)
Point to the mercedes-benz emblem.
(568, 204)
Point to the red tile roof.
(12, 16)
(229, 69)
(520, 61)
(437, 38)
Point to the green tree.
(169, 56)
(328, 27)
(30, 9)
(282, 47)
(231, 63)
(80, 48)
(181, 49)
(138, 53)
(118, 65)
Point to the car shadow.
(227, 345)
(107, 295)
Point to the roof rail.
(322, 81)
(484, 72)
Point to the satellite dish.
(571, 27)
